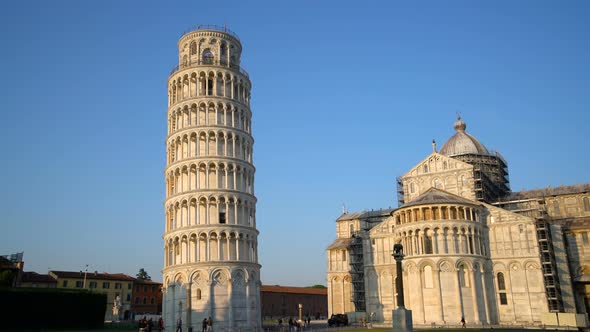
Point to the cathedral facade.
(473, 249)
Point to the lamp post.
(402, 318)
(85, 272)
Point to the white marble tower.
(210, 241)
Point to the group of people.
(148, 325)
(295, 325)
(207, 325)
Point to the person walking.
(179, 324)
(204, 325)
(463, 322)
(161, 324)
(209, 324)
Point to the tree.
(318, 286)
(143, 275)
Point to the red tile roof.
(147, 282)
(36, 277)
(93, 275)
(294, 290)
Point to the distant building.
(36, 280)
(11, 268)
(113, 285)
(472, 248)
(146, 298)
(283, 302)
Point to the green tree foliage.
(6, 278)
(318, 286)
(143, 275)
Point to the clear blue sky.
(346, 96)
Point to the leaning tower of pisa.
(210, 241)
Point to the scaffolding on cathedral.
(357, 272)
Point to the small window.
(501, 283)
(79, 284)
(344, 255)
(586, 204)
(412, 188)
(585, 238)
(92, 284)
(445, 164)
(222, 217)
(137, 300)
(152, 301)
(425, 168)
(65, 283)
(128, 286)
(193, 48)
(145, 300)
(118, 285)
(106, 285)
(503, 299)
(198, 293)
(128, 297)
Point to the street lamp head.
(398, 250)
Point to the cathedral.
(473, 249)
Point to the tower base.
(402, 320)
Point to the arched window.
(184, 60)
(198, 293)
(193, 48)
(207, 57)
(502, 288)
(427, 243)
(412, 188)
(428, 277)
(586, 204)
(501, 283)
(425, 168)
(144, 300)
(344, 255)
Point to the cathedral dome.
(462, 142)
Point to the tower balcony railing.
(212, 27)
(210, 62)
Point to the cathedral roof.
(437, 196)
(462, 143)
(340, 243)
(365, 214)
